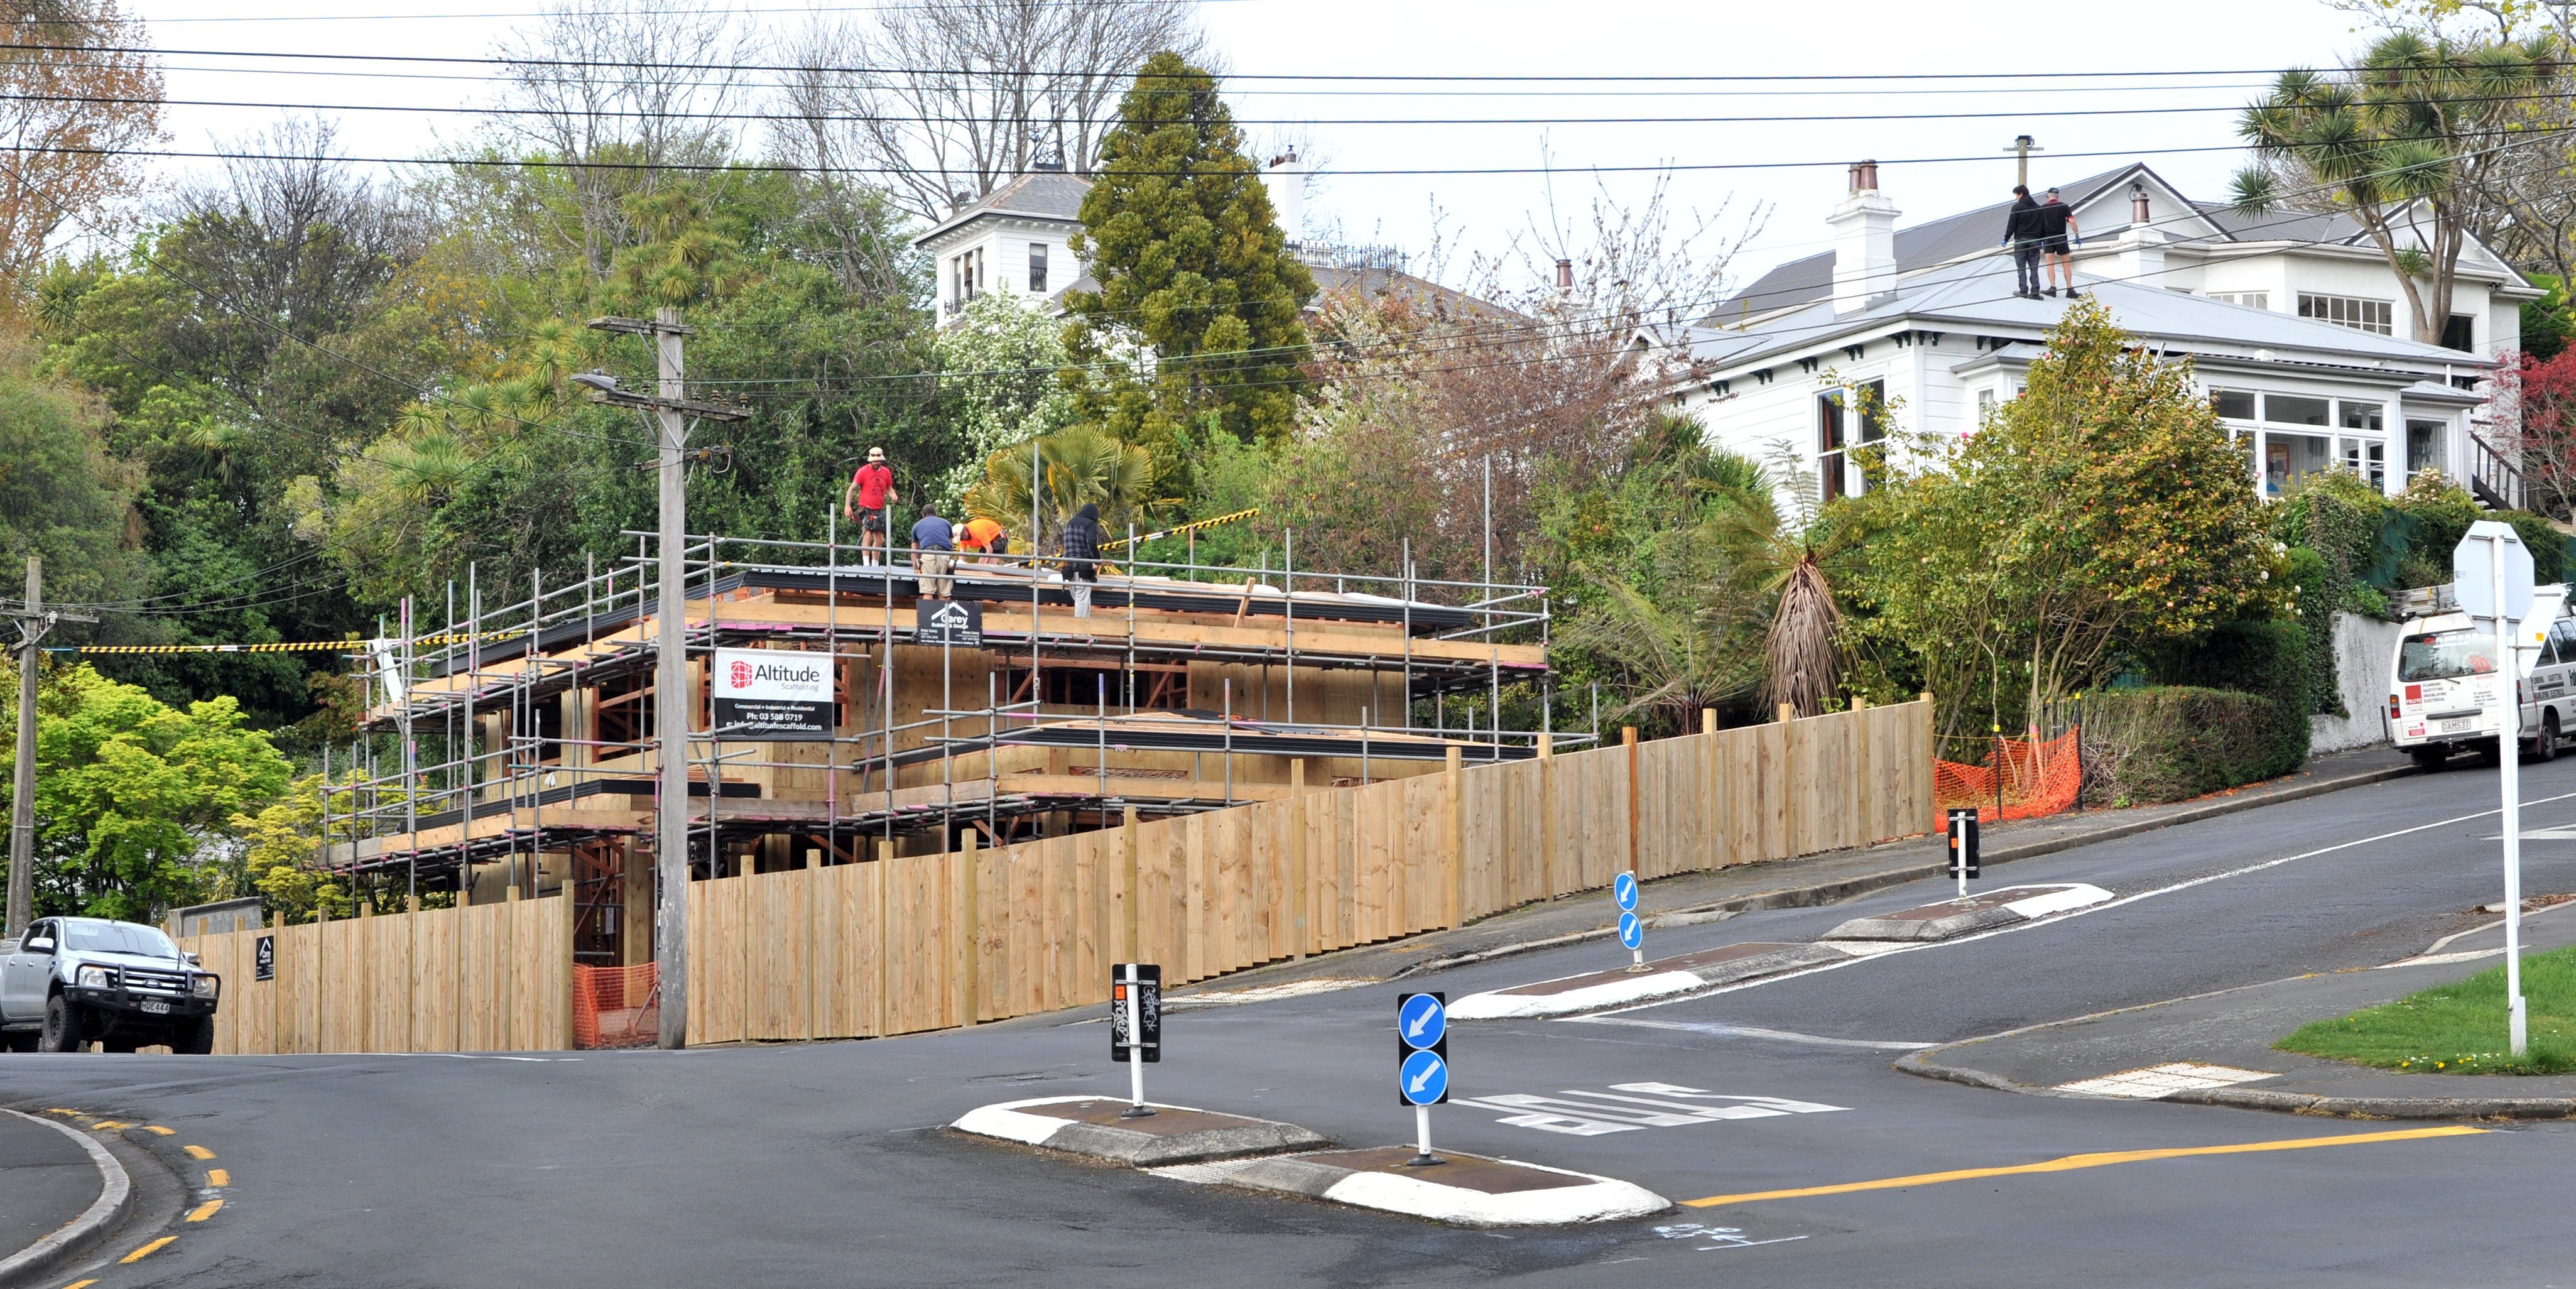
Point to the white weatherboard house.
(2296, 326)
(1017, 239)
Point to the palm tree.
(1076, 465)
(1780, 548)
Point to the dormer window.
(1037, 268)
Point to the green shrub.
(2174, 742)
(2265, 658)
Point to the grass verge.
(2459, 1028)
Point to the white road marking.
(1262, 993)
(2098, 908)
(1755, 1031)
(2157, 1080)
(2436, 959)
(1724, 1237)
(1630, 1107)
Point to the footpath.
(2216, 1049)
(59, 1192)
(1792, 883)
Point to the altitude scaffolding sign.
(771, 695)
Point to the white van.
(2445, 691)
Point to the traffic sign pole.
(2493, 565)
(1632, 929)
(1422, 1065)
(1136, 1027)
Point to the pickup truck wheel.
(64, 1030)
(194, 1037)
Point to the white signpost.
(2491, 576)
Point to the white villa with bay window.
(2294, 324)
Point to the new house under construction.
(838, 714)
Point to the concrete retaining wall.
(2363, 650)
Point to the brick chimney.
(1565, 275)
(1864, 242)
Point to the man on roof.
(865, 500)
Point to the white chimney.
(2141, 261)
(1864, 242)
(1286, 178)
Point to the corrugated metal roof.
(1978, 294)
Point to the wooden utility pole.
(2022, 146)
(669, 411)
(34, 621)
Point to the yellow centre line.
(2072, 1162)
(80, 1284)
(159, 1131)
(218, 1177)
(198, 1152)
(147, 1250)
(206, 1210)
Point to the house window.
(1985, 404)
(2367, 458)
(2360, 416)
(2250, 299)
(1037, 268)
(2234, 404)
(2352, 311)
(2289, 409)
(1829, 443)
(2460, 333)
(2424, 445)
(1873, 423)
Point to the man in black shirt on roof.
(2022, 235)
(2056, 222)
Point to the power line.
(1084, 72)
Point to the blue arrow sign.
(1624, 890)
(1632, 932)
(1425, 1078)
(1422, 1021)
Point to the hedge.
(2173, 742)
(2265, 658)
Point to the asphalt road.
(824, 1164)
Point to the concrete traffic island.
(1095, 1128)
(2216, 1049)
(1980, 912)
(1467, 1190)
(1662, 978)
(60, 1192)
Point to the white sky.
(1496, 38)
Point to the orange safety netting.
(2039, 778)
(616, 1006)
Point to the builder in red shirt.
(865, 500)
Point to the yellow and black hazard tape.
(278, 646)
(1190, 527)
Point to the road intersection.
(1768, 1108)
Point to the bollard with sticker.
(1422, 1064)
(1962, 842)
(1136, 1026)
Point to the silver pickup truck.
(69, 982)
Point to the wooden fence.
(492, 978)
(910, 943)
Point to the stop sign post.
(2491, 577)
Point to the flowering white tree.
(999, 363)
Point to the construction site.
(908, 724)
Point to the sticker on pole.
(1632, 931)
(1422, 1049)
(1624, 891)
(1136, 1012)
(1425, 1079)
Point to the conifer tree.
(1195, 328)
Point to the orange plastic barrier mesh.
(2039, 778)
(616, 1006)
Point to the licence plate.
(2456, 726)
(155, 1007)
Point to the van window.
(2440, 655)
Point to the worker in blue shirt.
(934, 554)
